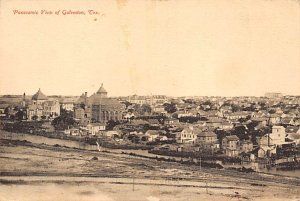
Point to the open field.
(30, 171)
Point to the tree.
(170, 107)
(235, 108)
(12, 117)
(64, 121)
(35, 117)
(20, 115)
(220, 134)
(111, 124)
(126, 103)
(146, 108)
(252, 125)
(189, 119)
(241, 132)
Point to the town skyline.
(149, 100)
(187, 48)
(152, 94)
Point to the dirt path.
(27, 167)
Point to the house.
(274, 119)
(188, 135)
(226, 126)
(287, 121)
(158, 99)
(277, 137)
(237, 115)
(180, 114)
(159, 109)
(152, 135)
(72, 131)
(94, 128)
(171, 121)
(135, 99)
(162, 138)
(214, 122)
(246, 146)
(207, 139)
(153, 122)
(264, 151)
(231, 145)
(112, 133)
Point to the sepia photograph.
(150, 100)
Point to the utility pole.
(133, 183)
(200, 163)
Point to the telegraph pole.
(200, 163)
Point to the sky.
(175, 48)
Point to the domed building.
(41, 107)
(98, 107)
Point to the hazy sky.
(183, 47)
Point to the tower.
(102, 92)
(23, 100)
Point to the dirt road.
(30, 171)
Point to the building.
(188, 135)
(67, 103)
(207, 140)
(277, 137)
(41, 107)
(95, 128)
(246, 146)
(140, 100)
(231, 145)
(152, 135)
(158, 99)
(158, 109)
(273, 95)
(98, 107)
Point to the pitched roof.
(39, 96)
(207, 134)
(190, 129)
(101, 90)
(232, 138)
(152, 132)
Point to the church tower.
(102, 92)
(23, 100)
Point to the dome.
(101, 90)
(39, 96)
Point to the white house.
(188, 135)
(94, 128)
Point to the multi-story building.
(231, 145)
(98, 107)
(41, 107)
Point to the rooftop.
(39, 96)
